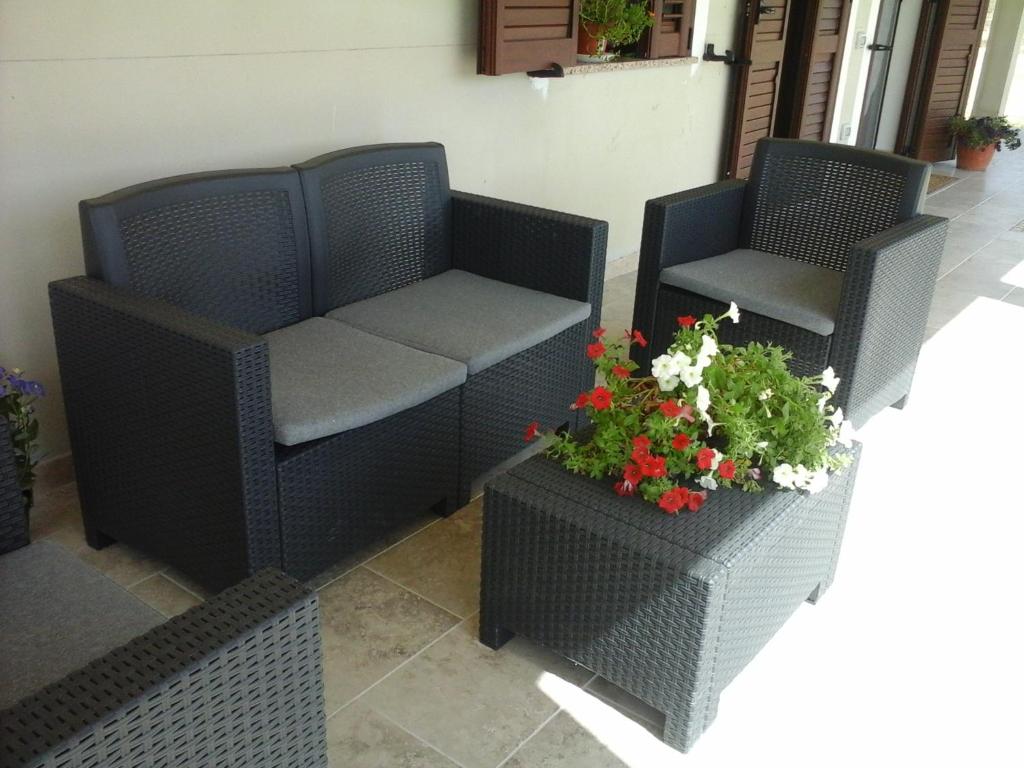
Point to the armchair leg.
(96, 539)
(901, 402)
(445, 507)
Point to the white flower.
(707, 481)
(703, 399)
(816, 481)
(846, 433)
(716, 459)
(690, 376)
(665, 366)
(822, 400)
(836, 417)
(784, 476)
(765, 394)
(708, 349)
(829, 380)
(734, 312)
(682, 359)
(668, 383)
(761, 445)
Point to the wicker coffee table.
(669, 609)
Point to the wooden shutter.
(818, 59)
(526, 35)
(672, 32)
(764, 47)
(945, 53)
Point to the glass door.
(878, 72)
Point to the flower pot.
(591, 39)
(969, 159)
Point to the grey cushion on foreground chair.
(220, 423)
(91, 676)
(825, 251)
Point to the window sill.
(611, 66)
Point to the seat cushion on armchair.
(327, 377)
(56, 615)
(465, 317)
(794, 292)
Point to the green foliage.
(17, 396)
(979, 132)
(624, 20)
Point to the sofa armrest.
(171, 432)
(236, 680)
(883, 311)
(13, 521)
(679, 228)
(548, 251)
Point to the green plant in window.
(619, 22)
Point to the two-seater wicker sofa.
(273, 367)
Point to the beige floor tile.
(164, 595)
(1015, 297)
(442, 562)
(473, 703)
(187, 583)
(56, 507)
(359, 737)
(370, 626)
(121, 563)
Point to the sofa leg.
(901, 402)
(817, 592)
(494, 637)
(445, 507)
(96, 539)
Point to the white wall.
(98, 94)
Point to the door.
(945, 52)
(880, 53)
(817, 40)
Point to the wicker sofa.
(824, 249)
(93, 678)
(275, 367)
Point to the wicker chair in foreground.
(91, 677)
(276, 367)
(825, 251)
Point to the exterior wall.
(995, 80)
(98, 94)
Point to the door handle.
(879, 47)
(766, 10)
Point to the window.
(531, 35)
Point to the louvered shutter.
(817, 81)
(940, 76)
(672, 32)
(526, 35)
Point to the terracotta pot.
(591, 39)
(969, 159)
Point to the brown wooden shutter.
(764, 47)
(940, 76)
(672, 32)
(526, 35)
(816, 81)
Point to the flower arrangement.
(981, 132)
(17, 396)
(711, 413)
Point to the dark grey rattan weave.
(668, 608)
(838, 207)
(13, 527)
(236, 681)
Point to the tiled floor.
(913, 654)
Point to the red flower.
(624, 488)
(598, 333)
(632, 474)
(671, 409)
(582, 400)
(681, 441)
(696, 500)
(621, 371)
(653, 466)
(686, 321)
(595, 350)
(705, 457)
(674, 500)
(642, 441)
(639, 338)
(600, 398)
(531, 431)
(727, 469)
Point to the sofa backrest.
(810, 201)
(228, 245)
(379, 219)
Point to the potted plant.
(978, 137)
(609, 24)
(709, 415)
(17, 413)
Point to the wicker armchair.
(247, 380)
(825, 251)
(235, 681)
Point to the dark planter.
(13, 507)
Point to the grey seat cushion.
(465, 317)
(327, 377)
(57, 614)
(793, 292)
